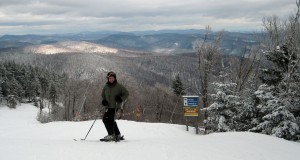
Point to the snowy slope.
(69, 47)
(23, 138)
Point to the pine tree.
(275, 117)
(16, 88)
(12, 101)
(33, 86)
(279, 98)
(2, 75)
(178, 86)
(5, 87)
(1, 95)
(53, 94)
(279, 61)
(2, 70)
(247, 116)
(222, 112)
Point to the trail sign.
(190, 105)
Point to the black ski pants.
(109, 121)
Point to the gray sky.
(67, 16)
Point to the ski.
(104, 140)
(115, 140)
(78, 139)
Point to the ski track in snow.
(24, 138)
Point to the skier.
(113, 95)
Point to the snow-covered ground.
(23, 138)
(70, 47)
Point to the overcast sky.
(70, 16)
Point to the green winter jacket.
(109, 93)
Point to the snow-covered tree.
(1, 95)
(16, 88)
(275, 116)
(53, 94)
(34, 86)
(279, 98)
(247, 115)
(278, 66)
(12, 101)
(222, 112)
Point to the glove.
(104, 102)
(118, 99)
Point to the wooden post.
(197, 124)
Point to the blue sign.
(191, 101)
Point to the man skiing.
(113, 95)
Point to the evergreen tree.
(279, 98)
(16, 88)
(23, 81)
(2, 75)
(1, 95)
(279, 61)
(2, 70)
(33, 86)
(247, 116)
(53, 94)
(5, 85)
(275, 117)
(222, 112)
(44, 81)
(12, 101)
(177, 86)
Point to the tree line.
(260, 91)
(25, 83)
(28, 82)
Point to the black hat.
(109, 74)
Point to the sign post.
(191, 108)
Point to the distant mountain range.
(147, 58)
(163, 41)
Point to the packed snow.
(24, 138)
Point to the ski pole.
(90, 129)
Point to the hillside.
(70, 47)
(22, 137)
